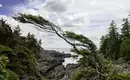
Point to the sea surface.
(70, 60)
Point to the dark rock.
(69, 71)
(50, 65)
(54, 53)
(71, 66)
(128, 62)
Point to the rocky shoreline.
(51, 65)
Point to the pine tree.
(6, 35)
(111, 43)
(17, 31)
(126, 28)
(19, 51)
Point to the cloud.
(1, 5)
(56, 6)
(88, 17)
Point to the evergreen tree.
(126, 28)
(104, 45)
(6, 35)
(125, 49)
(110, 44)
(17, 54)
(17, 31)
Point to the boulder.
(50, 65)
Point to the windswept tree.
(90, 64)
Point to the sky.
(88, 17)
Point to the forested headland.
(21, 57)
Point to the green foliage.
(104, 45)
(3, 62)
(3, 70)
(30, 18)
(23, 61)
(77, 75)
(126, 28)
(84, 41)
(18, 54)
(17, 31)
(12, 75)
(87, 72)
(110, 44)
(4, 48)
(125, 49)
(33, 44)
(5, 33)
(122, 76)
(6, 74)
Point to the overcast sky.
(88, 17)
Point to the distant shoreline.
(66, 50)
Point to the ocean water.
(70, 60)
(65, 50)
